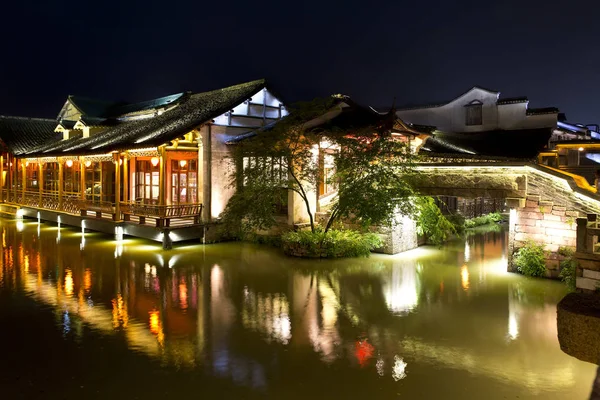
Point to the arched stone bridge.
(544, 202)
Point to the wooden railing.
(98, 207)
(162, 214)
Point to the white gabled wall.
(451, 117)
(243, 118)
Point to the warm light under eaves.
(154, 161)
(69, 163)
(182, 163)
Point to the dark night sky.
(419, 51)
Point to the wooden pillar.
(8, 176)
(82, 177)
(125, 177)
(116, 158)
(2, 178)
(61, 182)
(15, 171)
(207, 175)
(41, 182)
(162, 176)
(23, 179)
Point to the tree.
(373, 168)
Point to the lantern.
(69, 163)
(154, 161)
(182, 163)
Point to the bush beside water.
(491, 218)
(568, 267)
(330, 244)
(531, 259)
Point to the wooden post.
(82, 177)
(207, 175)
(2, 178)
(61, 180)
(162, 176)
(8, 177)
(15, 169)
(41, 182)
(125, 177)
(116, 159)
(23, 179)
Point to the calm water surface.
(90, 318)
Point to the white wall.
(451, 117)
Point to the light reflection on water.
(257, 320)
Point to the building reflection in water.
(401, 289)
(385, 316)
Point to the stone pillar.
(207, 174)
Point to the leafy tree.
(373, 170)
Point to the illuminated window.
(474, 114)
(31, 176)
(146, 182)
(71, 179)
(51, 177)
(328, 184)
(184, 181)
(93, 181)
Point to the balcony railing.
(73, 204)
(162, 214)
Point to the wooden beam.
(2, 178)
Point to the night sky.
(418, 51)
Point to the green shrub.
(458, 221)
(491, 218)
(432, 223)
(333, 244)
(568, 267)
(531, 259)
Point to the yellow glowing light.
(88, 163)
(464, 275)
(155, 322)
(182, 163)
(69, 283)
(580, 149)
(87, 280)
(154, 161)
(27, 163)
(183, 296)
(69, 163)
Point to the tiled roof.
(144, 105)
(512, 100)
(539, 111)
(492, 143)
(93, 107)
(193, 110)
(20, 134)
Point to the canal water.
(85, 317)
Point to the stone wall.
(400, 236)
(588, 254)
(545, 223)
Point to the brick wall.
(545, 223)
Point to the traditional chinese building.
(156, 169)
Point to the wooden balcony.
(162, 216)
